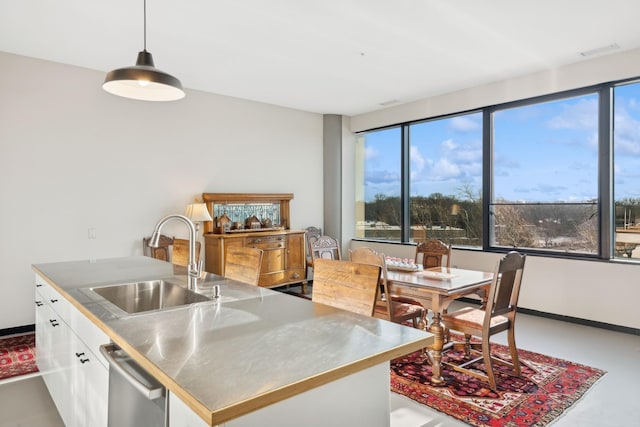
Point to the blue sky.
(543, 153)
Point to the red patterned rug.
(547, 387)
(17, 356)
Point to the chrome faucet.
(193, 271)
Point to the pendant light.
(143, 81)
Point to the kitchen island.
(252, 354)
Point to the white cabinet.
(360, 399)
(180, 415)
(67, 355)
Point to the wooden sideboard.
(284, 258)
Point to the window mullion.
(605, 171)
(405, 198)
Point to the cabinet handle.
(296, 276)
(54, 322)
(83, 361)
(80, 354)
(38, 285)
(39, 303)
(54, 300)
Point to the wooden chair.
(499, 315)
(347, 285)
(434, 253)
(243, 264)
(162, 252)
(311, 234)
(180, 252)
(324, 247)
(389, 308)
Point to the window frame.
(605, 168)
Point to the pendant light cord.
(145, 24)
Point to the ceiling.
(326, 56)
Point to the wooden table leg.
(437, 330)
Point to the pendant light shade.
(143, 81)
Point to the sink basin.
(147, 296)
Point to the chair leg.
(511, 336)
(488, 364)
(467, 345)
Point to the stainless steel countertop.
(226, 356)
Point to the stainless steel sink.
(147, 296)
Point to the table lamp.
(197, 213)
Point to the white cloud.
(464, 124)
(581, 115)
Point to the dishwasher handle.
(116, 358)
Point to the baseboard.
(577, 320)
(17, 330)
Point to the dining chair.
(498, 315)
(162, 252)
(434, 253)
(243, 264)
(325, 247)
(180, 252)
(388, 307)
(311, 234)
(345, 284)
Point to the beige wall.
(601, 291)
(73, 157)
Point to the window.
(560, 175)
(626, 152)
(378, 185)
(442, 173)
(445, 180)
(545, 176)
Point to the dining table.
(435, 288)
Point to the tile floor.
(613, 401)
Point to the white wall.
(73, 157)
(607, 68)
(600, 291)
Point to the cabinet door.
(52, 355)
(273, 260)
(90, 385)
(295, 251)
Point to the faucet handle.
(201, 272)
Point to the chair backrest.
(345, 284)
(180, 252)
(311, 234)
(243, 264)
(505, 288)
(162, 251)
(434, 252)
(325, 247)
(366, 255)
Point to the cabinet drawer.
(56, 301)
(89, 334)
(281, 277)
(266, 242)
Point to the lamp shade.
(197, 212)
(143, 81)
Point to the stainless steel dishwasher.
(136, 399)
